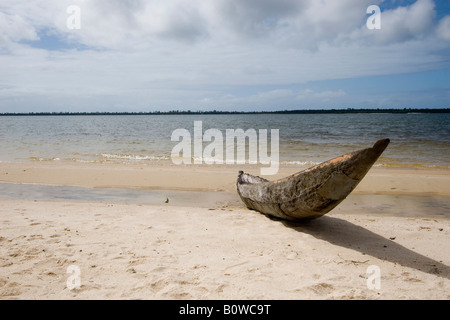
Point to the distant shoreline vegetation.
(218, 112)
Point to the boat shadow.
(348, 235)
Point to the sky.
(230, 55)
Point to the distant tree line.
(188, 112)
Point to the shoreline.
(217, 178)
(382, 205)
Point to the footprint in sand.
(9, 289)
(292, 255)
(322, 288)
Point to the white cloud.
(402, 24)
(139, 53)
(407, 23)
(15, 28)
(116, 24)
(443, 29)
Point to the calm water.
(417, 140)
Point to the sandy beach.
(125, 126)
(390, 239)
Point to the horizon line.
(188, 112)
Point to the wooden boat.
(310, 193)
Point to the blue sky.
(136, 55)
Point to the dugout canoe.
(310, 193)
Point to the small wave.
(43, 159)
(80, 160)
(299, 163)
(411, 165)
(132, 157)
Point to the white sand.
(131, 251)
(158, 252)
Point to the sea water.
(417, 140)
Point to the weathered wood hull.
(310, 193)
